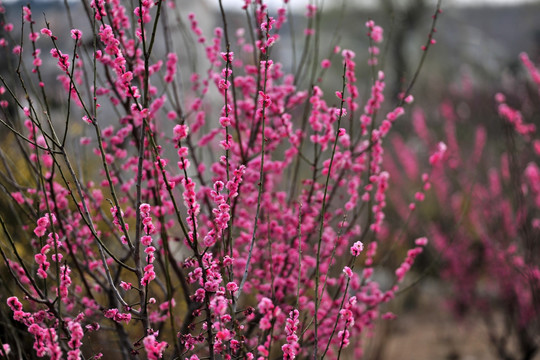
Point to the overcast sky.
(301, 4)
(296, 4)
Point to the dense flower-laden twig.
(205, 251)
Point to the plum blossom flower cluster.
(217, 211)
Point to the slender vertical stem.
(261, 174)
(323, 212)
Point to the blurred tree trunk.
(407, 15)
